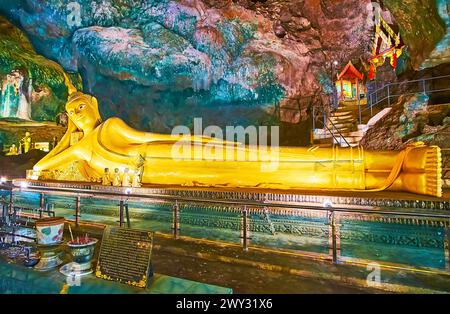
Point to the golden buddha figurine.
(106, 178)
(126, 179)
(116, 178)
(136, 180)
(25, 143)
(114, 144)
(13, 150)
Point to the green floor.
(16, 279)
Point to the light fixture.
(128, 190)
(3, 179)
(335, 62)
(327, 203)
(23, 184)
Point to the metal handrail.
(181, 199)
(412, 81)
(337, 130)
(245, 207)
(402, 94)
(387, 87)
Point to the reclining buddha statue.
(94, 145)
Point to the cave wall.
(424, 27)
(158, 64)
(48, 93)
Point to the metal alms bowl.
(82, 252)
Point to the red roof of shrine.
(350, 71)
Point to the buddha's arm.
(66, 156)
(120, 132)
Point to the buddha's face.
(83, 112)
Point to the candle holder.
(82, 252)
(49, 231)
(50, 257)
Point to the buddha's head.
(81, 108)
(83, 111)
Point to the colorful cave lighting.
(223, 150)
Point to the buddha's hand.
(36, 168)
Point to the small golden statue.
(106, 178)
(116, 178)
(13, 150)
(25, 143)
(126, 180)
(114, 144)
(136, 181)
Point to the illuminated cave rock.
(412, 118)
(163, 57)
(41, 85)
(425, 29)
(187, 58)
(157, 64)
(441, 53)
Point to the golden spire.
(71, 89)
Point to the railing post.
(334, 241)
(121, 208)
(245, 229)
(77, 211)
(11, 203)
(13, 224)
(4, 212)
(389, 95)
(376, 95)
(359, 110)
(41, 204)
(176, 220)
(127, 215)
(424, 86)
(447, 249)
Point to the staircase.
(345, 122)
(342, 127)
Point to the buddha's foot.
(422, 171)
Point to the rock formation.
(47, 92)
(158, 64)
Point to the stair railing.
(337, 131)
(386, 93)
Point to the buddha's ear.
(94, 102)
(95, 106)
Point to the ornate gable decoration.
(387, 44)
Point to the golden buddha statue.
(106, 178)
(25, 143)
(113, 144)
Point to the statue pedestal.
(318, 198)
